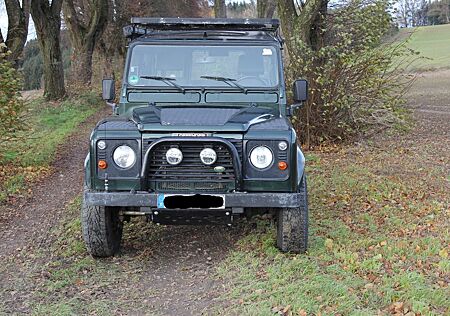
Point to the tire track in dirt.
(31, 218)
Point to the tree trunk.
(301, 25)
(107, 57)
(85, 28)
(318, 26)
(266, 8)
(220, 9)
(16, 36)
(47, 20)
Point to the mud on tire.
(292, 224)
(102, 229)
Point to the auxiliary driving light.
(208, 156)
(174, 156)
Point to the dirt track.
(161, 270)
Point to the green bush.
(356, 87)
(11, 104)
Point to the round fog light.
(282, 145)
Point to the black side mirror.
(300, 90)
(108, 89)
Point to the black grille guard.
(237, 165)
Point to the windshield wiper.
(229, 81)
(167, 80)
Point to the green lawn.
(433, 43)
(49, 124)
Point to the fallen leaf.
(286, 310)
(301, 312)
(443, 253)
(329, 243)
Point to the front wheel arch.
(87, 172)
(300, 165)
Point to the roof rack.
(144, 26)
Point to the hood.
(202, 119)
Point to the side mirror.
(300, 90)
(108, 89)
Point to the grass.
(72, 268)
(433, 43)
(376, 246)
(50, 124)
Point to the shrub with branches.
(356, 82)
(11, 103)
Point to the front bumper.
(237, 200)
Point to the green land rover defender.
(200, 134)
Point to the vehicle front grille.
(191, 174)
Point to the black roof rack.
(144, 26)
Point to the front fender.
(87, 172)
(300, 165)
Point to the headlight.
(261, 157)
(124, 156)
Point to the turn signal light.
(282, 165)
(102, 164)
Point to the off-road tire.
(102, 230)
(292, 224)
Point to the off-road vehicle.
(200, 134)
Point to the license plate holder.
(190, 201)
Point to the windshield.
(203, 66)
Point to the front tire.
(102, 229)
(292, 224)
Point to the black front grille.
(191, 174)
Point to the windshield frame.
(163, 87)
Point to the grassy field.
(49, 124)
(378, 244)
(433, 43)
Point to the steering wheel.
(254, 78)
